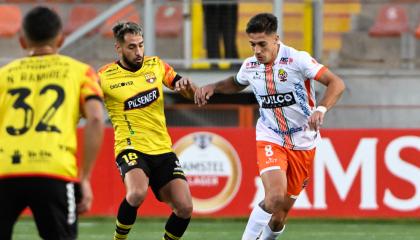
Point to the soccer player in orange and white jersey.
(133, 91)
(288, 129)
(42, 97)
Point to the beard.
(132, 64)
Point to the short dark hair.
(41, 24)
(263, 22)
(122, 28)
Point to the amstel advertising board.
(356, 173)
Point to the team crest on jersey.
(282, 75)
(150, 77)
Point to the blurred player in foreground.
(41, 99)
(288, 129)
(133, 90)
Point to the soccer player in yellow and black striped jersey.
(42, 97)
(134, 98)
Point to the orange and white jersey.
(286, 96)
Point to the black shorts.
(160, 169)
(52, 202)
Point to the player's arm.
(335, 88)
(226, 86)
(93, 135)
(184, 86)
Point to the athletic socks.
(268, 234)
(175, 227)
(256, 222)
(125, 220)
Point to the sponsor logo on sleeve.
(302, 99)
(278, 100)
(142, 99)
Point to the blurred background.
(371, 44)
(369, 159)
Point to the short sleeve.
(90, 86)
(310, 68)
(241, 77)
(168, 75)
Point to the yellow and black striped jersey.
(40, 105)
(135, 104)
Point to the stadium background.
(366, 176)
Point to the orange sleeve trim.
(320, 72)
(308, 92)
(169, 74)
(105, 67)
(93, 89)
(95, 92)
(91, 74)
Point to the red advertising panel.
(356, 173)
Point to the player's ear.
(22, 40)
(117, 46)
(60, 40)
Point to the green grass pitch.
(231, 229)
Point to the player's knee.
(184, 210)
(278, 220)
(136, 196)
(274, 202)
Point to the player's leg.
(275, 187)
(277, 223)
(299, 164)
(256, 222)
(272, 165)
(133, 170)
(53, 204)
(177, 195)
(12, 203)
(169, 184)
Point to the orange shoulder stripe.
(105, 67)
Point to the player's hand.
(87, 197)
(185, 87)
(203, 94)
(183, 84)
(315, 120)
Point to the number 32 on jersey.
(20, 103)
